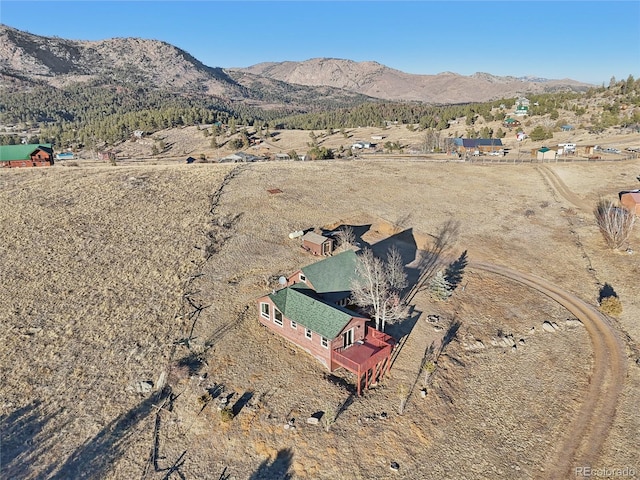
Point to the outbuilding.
(317, 244)
(630, 200)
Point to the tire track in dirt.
(559, 186)
(587, 432)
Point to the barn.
(27, 155)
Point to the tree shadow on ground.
(605, 292)
(241, 402)
(96, 457)
(24, 438)
(276, 470)
(455, 270)
(431, 258)
(358, 232)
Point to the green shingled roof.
(297, 303)
(333, 274)
(21, 152)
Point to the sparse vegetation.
(615, 223)
(611, 306)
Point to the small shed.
(545, 153)
(317, 244)
(631, 201)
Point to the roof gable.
(315, 238)
(333, 274)
(298, 303)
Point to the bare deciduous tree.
(378, 286)
(346, 238)
(615, 223)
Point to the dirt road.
(559, 186)
(585, 436)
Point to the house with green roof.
(26, 155)
(312, 311)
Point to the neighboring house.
(522, 107)
(510, 122)
(470, 145)
(317, 244)
(30, 155)
(377, 137)
(630, 200)
(239, 157)
(310, 311)
(361, 145)
(567, 128)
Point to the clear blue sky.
(589, 41)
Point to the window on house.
(277, 317)
(307, 333)
(264, 310)
(324, 342)
(303, 278)
(294, 324)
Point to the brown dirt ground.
(96, 262)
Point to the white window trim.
(279, 322)
(309, 334)
(324, 342)
(294, 325)
(302, 277)
(266, 315)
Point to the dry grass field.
(128, 294)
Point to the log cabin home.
(26, 155)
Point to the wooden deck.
(369, 359)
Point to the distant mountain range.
(26, 59)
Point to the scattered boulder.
(313, 420)
(548, 327)
(433, 318)
(521, 341)
(514, 349)
(394, 466)
(143, 387)
(532, 330)
(475, 345)
(573, 322)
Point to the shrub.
(615, 223)
(226, 414)
(611, 306)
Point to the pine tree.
(439, 287)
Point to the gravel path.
(586, 435)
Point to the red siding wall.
(39, 159)
(312, 346)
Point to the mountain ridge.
(158, 64)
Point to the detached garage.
(631, 201)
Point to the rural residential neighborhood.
(318, 269)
